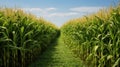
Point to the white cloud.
(62, 14)
(86, 9)
(32, 9)
(50, 9)
(38, 9)
(52, 12)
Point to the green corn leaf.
(117, 63)
(22, 30)
(28, 33)
(95, 48)
(109, 57)
(24, 44)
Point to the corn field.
(95, 38)
(23, 37)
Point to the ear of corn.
(23, 37)
(95, 38)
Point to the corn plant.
(23, 37)
(95, 38)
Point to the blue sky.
(59, 11)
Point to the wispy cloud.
(32, 9)
(53, 12)
(86, 9)
(62, 14)
(38, 9)
(50, 9)
(49, 12)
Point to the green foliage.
(23, 37)
(96, 38)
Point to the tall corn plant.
(23, 37)
(95, 39)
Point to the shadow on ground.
(46, 58)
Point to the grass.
(57, 55)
